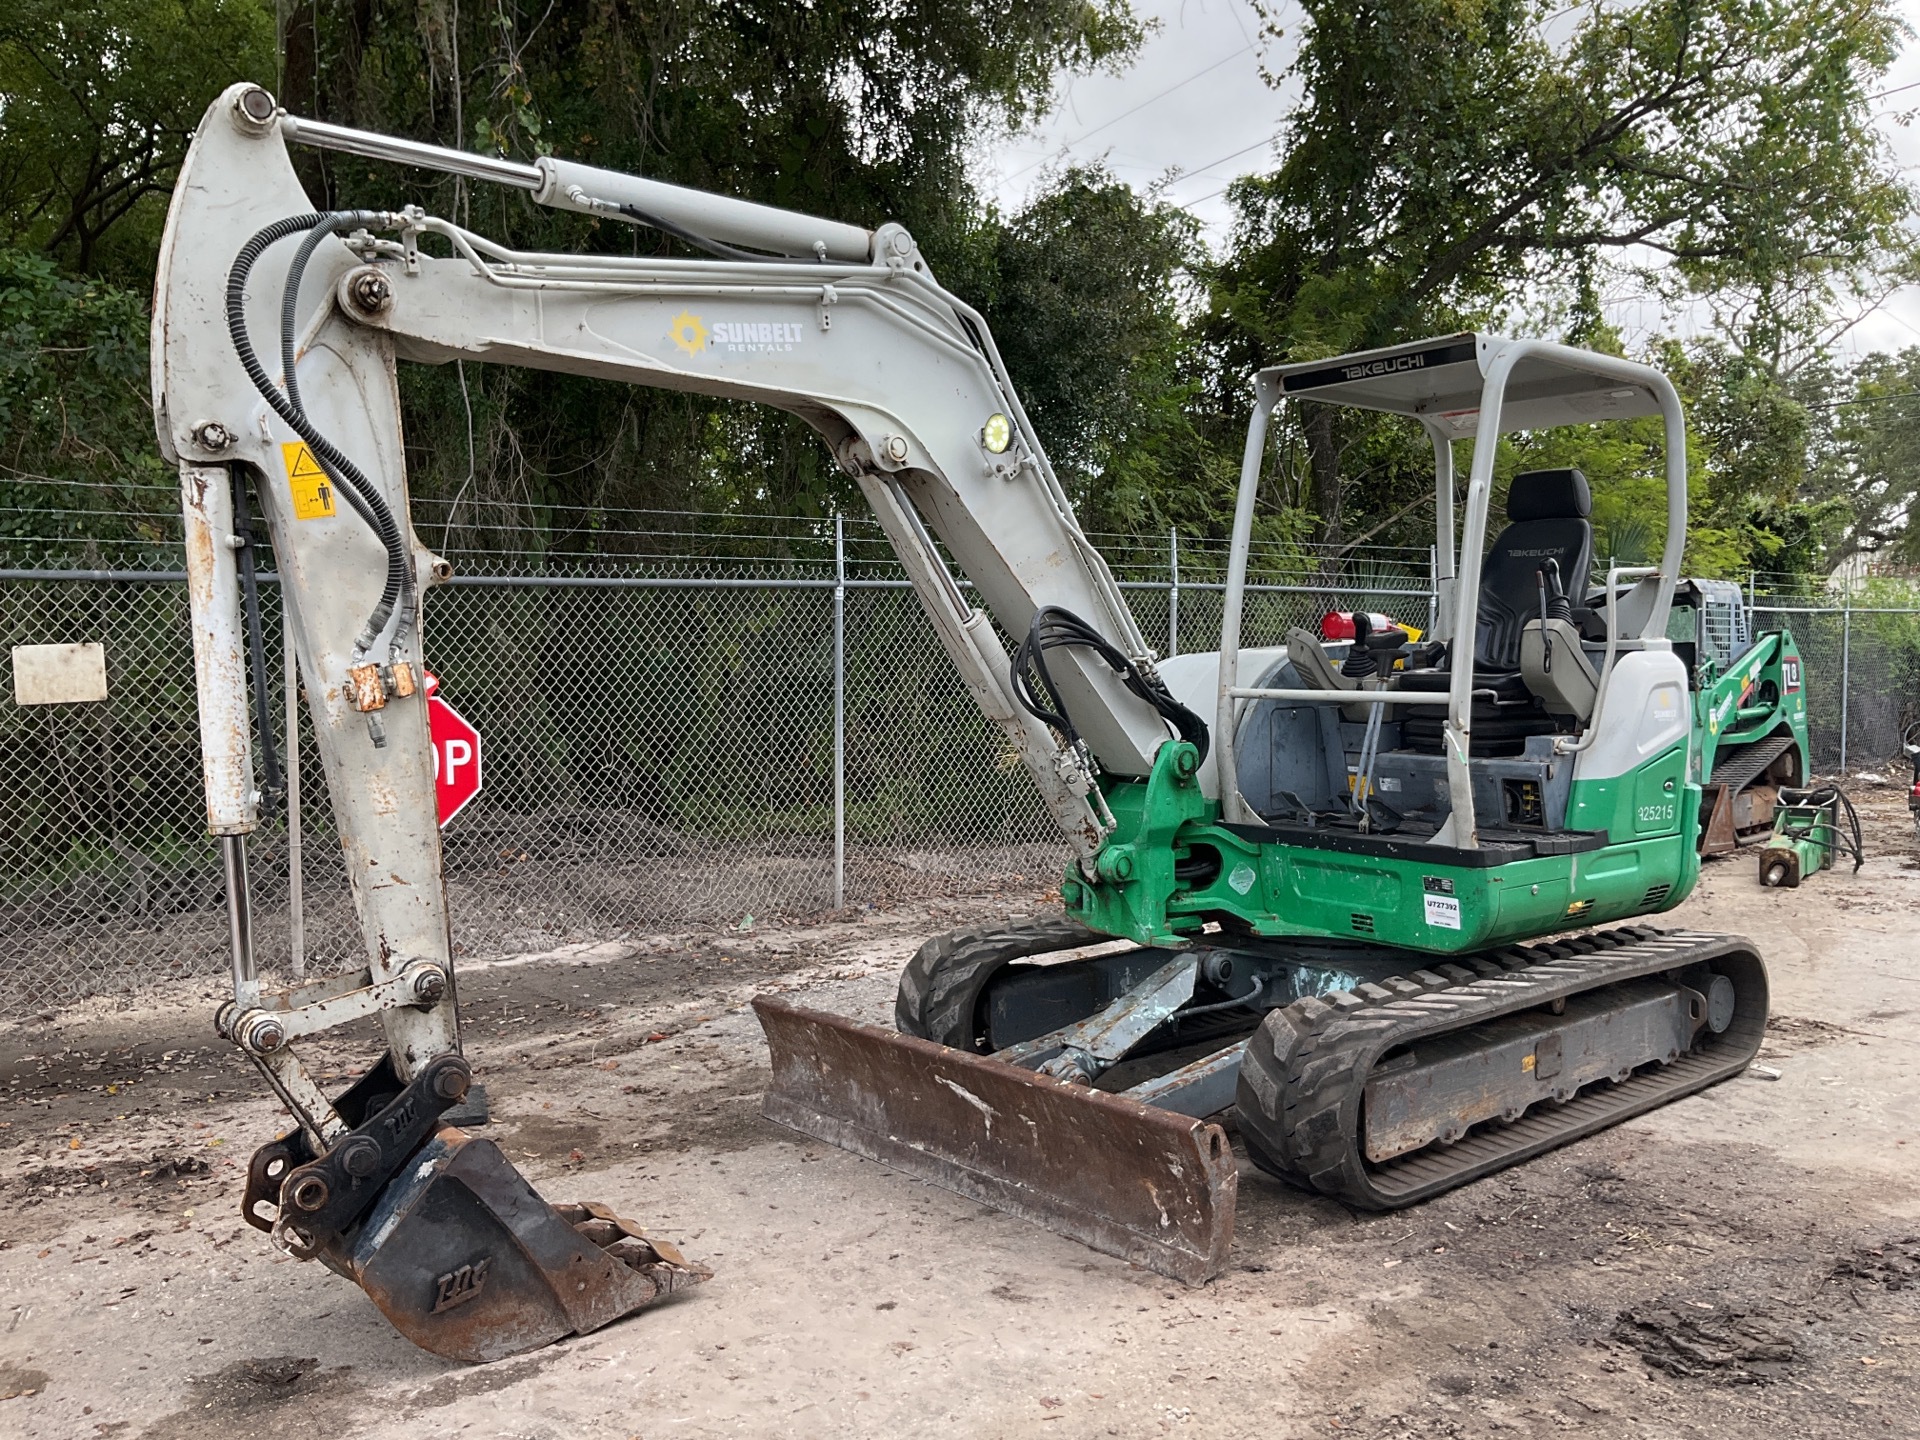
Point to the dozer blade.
(467, 1261)
(1147, 1185)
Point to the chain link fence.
(687, 722)
(696, 723)
(1860, 644)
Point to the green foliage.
(1870, 470)
(74, 409)
(1747, 443)
(1084, 296)
(99, 102)
(837, 109)
(1448, 157)
(1450, 163)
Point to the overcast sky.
(1194, 105)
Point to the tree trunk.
(1323, 464)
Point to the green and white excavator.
(1325, 889)
(1306, 873)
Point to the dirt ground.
(1743, 1263)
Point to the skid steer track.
(1304, 1075)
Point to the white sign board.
(59, 674)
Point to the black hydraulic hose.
(273, 782)
(1055, 628)
(333, 224)
(290, 293)
(1832, 797)
(348, 479)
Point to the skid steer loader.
(1322, 861)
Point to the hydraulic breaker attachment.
(1150, 1186)
(460, 1253)
(1807, 836)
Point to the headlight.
(997, 434)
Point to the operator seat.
(1547, 515)
(1548, 512)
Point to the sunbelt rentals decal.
(762, 337)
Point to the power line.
(1133, 110)
(1863, 400)
(1202, 169)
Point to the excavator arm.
(277, 329)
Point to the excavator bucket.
(460, 1253)
(467, 1261)
(1150, 1186)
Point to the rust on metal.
(1444, 1086)
(366, 691)
(1149, 1186)
(1718, 836)
(402, 680)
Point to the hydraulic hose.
(349, 480)
(1054, 628)
(273, 785)
(333, 224)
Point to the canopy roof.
(1441, 380)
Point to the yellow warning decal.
(312, 490)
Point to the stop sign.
(456, 754)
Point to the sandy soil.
(1743, 1263)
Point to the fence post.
(296, 880)
(1173, 590)
(1846, 666)
(839, 713)
(1433, 587)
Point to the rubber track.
(1304, 1073)
(1743, 767)
(939, 995)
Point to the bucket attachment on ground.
(466, 1260)
(460, 1253)
(1147, 1185)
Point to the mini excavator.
(1302, 877)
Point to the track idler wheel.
(466, 1260)
(943, 985)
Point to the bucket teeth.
(632, 1246)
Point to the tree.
(99, 101)
(1870, 472)
(1448, 158)
(854, 111)
(1085, 296)
(74, 409)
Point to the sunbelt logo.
(694, 335)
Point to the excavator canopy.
(1441, 379)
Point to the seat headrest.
(1549, 495)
